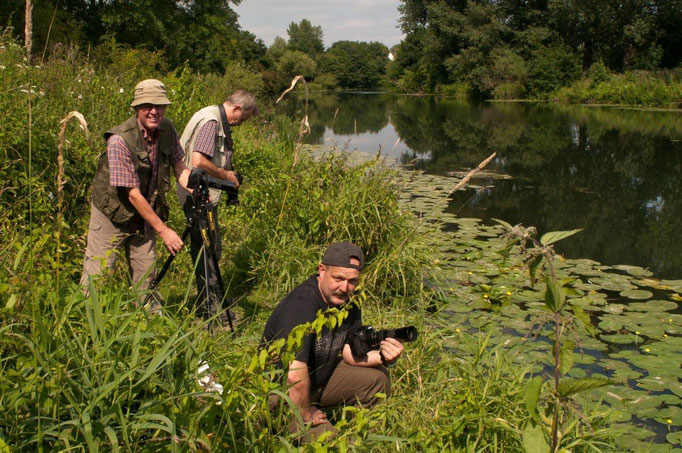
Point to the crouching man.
(324, 372)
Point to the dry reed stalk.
(303, 130)
(60, 174)
(28, 28)
(60, 151)
(49, 30)
(468, 176)
(457, 186)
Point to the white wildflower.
(80, 96)
(121, 90)
(2, 67)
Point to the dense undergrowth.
(100, 374)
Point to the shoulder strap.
(226, 128)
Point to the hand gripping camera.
(365, 338)
(200, 182)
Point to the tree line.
(531, 47)
(484, 48)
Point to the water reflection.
(615, 173)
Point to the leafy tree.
(205, 33)
(293, 63)
(275, 51)
(306, 37)
(356, 64)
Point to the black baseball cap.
(340, 253)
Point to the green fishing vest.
(113, 201)
(222, 156)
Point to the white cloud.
(356, 20)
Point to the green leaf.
(554, 295)
(11, 302)
(566, 357)
(533, 387)
(569, 387)
(504, 224)
(111, 434)
(4, 448)
(584, 318)
(533, 267)
(554, 236)
(20, 255)
(534, 439)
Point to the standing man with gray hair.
(129, 189)
(207, 139)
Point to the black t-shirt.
(321, 353)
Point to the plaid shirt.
(205, 142)
(122, 167)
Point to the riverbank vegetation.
(578, 52)
(101, 374)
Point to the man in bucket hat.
(129, 189)
(325, 372)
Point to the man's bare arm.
(390, 347)
(298, 380)
(181, 174)
(169, 237)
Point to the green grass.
(100, 374)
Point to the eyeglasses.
(148, 107)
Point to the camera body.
(200, 182)
(365, 338)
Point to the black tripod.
(202, 216)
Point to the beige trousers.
(105, 240)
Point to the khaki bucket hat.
(150, 91)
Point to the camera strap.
(226, 128)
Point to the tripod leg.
(221, 287)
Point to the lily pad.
(635, 271)
(674, 438)
(619, 338)
(653, 306)
(671, 415)
(624, 375)
(612, 282)
(636, 294)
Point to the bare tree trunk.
(28, 29)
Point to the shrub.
(551, 68)
(509, 91)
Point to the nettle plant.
(549, 425)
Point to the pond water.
(615, 173)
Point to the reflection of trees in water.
(614, 173)
(343, 113)
(622, 187)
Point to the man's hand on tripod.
(171, 240)
(232, 177)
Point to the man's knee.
(381, 384)
(375, 380)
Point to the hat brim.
(154, 100)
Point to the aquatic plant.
(539, 256)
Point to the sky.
(352, 20)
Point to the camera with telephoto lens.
(200, 182)
(365, 338)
